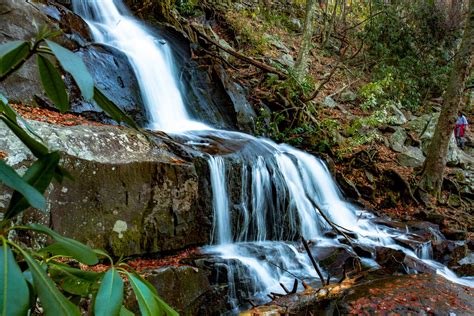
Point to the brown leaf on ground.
(52, 117)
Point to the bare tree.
(435, 163)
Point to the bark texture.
(302, 59)
(435, 163)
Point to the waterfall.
(220, 201)
(150, 57)
(284, 192)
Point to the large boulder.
(245, 114)
(129, 196)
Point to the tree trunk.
(302, 59)
(435, 163)
(329, 26)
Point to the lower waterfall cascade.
(285, 193)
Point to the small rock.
(366, 191)
(361, 251)
(348, 96)
(369, 176)
(286, 60)
(467, 260)
(295, 24)
(335, 260)
(418, 265)
(275, 41)
(347, 186)
(411, 157)
(398, 117)
(454, 234)
(465, 270)
(397, 140)
(390, 259)
(329, 102)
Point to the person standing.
(460, 129)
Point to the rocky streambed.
(148, 197)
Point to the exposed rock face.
(245, 114)
(129, 196)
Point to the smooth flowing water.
(284, 192)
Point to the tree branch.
(325, 81)
(232, 52)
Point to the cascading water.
(150, 58)
(284, 192)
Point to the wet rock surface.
(115, 78)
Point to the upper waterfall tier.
(150, 57)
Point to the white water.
(281, 186)
(150, 57)
(221, 222)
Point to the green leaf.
(147, 297)
(165, 307)
(67, 246)
(112, 110)
(110, 296)
(3, 99)
(53, 84)
(45, 32)
(169, 311)
(29, 281)
(39, 175)
(74, 281)
(76, 67)
(10, 178)
(38, 149)
(14, 292)
(86, 275)
(125, 312)
(11, 54)
(53, 302)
